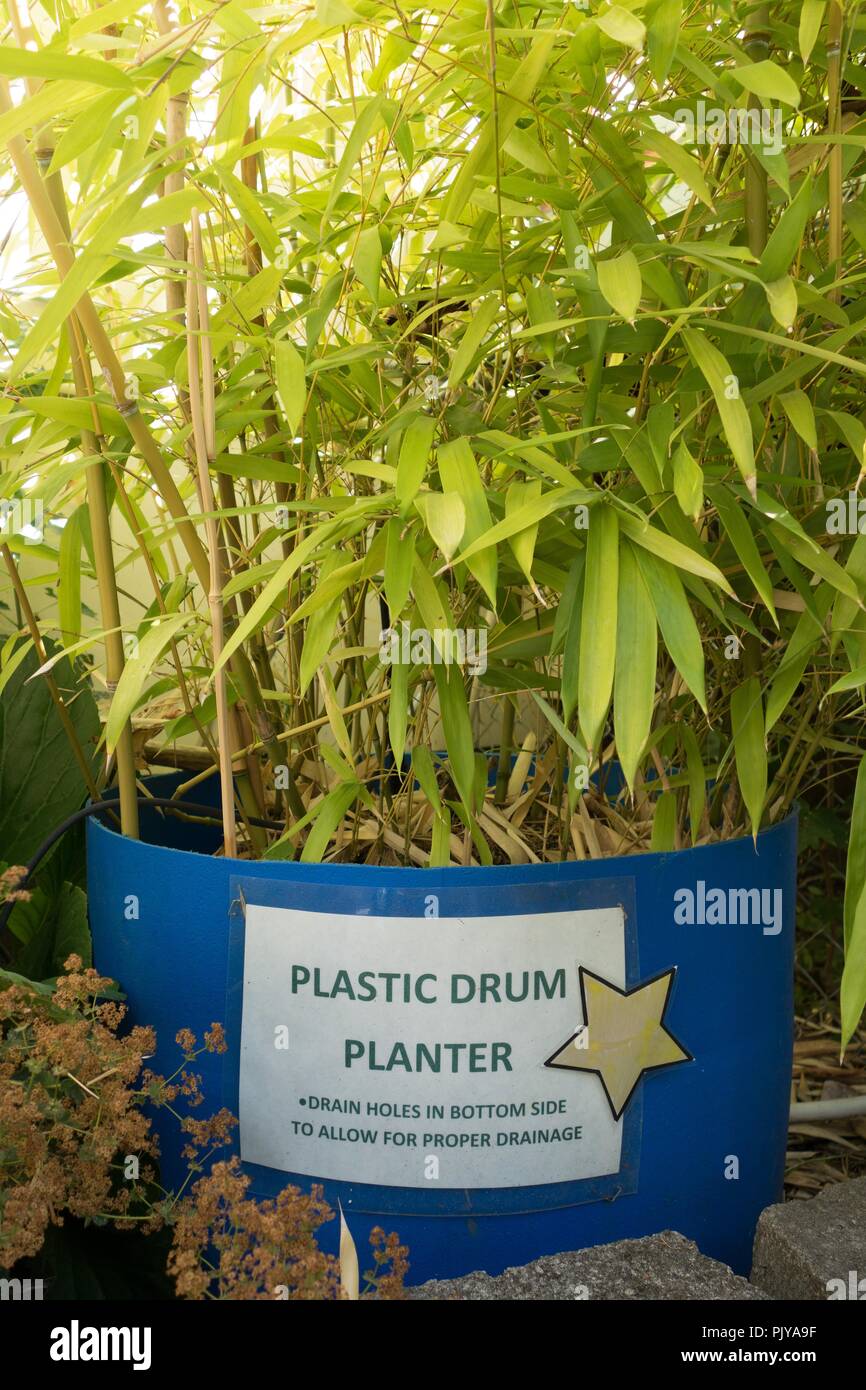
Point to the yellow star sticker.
(624, 1035)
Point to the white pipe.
(828, 1109)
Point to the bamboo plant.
(465, 402)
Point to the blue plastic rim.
(703, 1143)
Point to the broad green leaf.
(456, 726)
(399, 559)
(598, 625)
(697, 779)
(40, 780)
(671, 550)
(620, 282)
(676, 622)
(782, 299)
(473, 335)
(750, 750)
(622, 26)
(786, 238)
(367, 261)
(522, 543)
(664, 21)
(445, 518)
(458, 469)
(688, 482)
(331, 810)
(811, 17)
(360, 134)
(635, 675)
(853, 987)
(398, 711)
(739, 533)
(136, 671)
(768, 81)
(678, 160)
(663, 837)
(798, 408)
(69, 576)
(291, 381)
(414, 456)
(21, 62)
(525, 148)
(725, 388)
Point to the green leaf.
(855, 868)
(734, 415)
(679, 161)
(768, 81)
(635, 675)
(622, 26)
(291, 381)
(750, 750)
(471, 341)
(51, 927)
(367, 261)
(697, 779)
(456, 726)
(740, 535)
(445, 518)
(663, 837)
(40, 780)
(329, 813)
(853, 987)
(786, 238)
(69, 577)
(782, 299)
(414, 455)
(811, 17)
(798, 408)
(688, 482)
(598, 625)
(676, 622)
(620, 282)
(136, 671)
(21, 62)
(398, 711)
(399, 559)
(360, 134)
(664, 21)
(458, 469)
(519, 495)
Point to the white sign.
(406, 1051)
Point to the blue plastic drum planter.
(497, 1063)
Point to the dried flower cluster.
(75, 1140)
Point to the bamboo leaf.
(750, 750)
(412, 463)
(768, 81)
(676, 622)
(445, 518)
(471, 340)
(598, 625)
(291, 381)
(620, 282)
(635, 674)
(136, 671)
(725, 388)
(811, 18)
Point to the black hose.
(94, 808)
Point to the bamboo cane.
(755, 200)
(201, 400)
